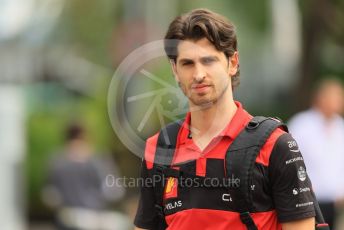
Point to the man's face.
(331, 99)
(204, 73)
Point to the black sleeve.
(146, 216)
(291, 186)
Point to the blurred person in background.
(76, 186)
(319, 132)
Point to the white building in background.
(24, 24)
(12, 153)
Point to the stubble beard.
(199, 103)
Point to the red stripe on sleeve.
(264, 154)
(150, 149)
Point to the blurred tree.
(86, 27)
(323, 45)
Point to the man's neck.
(212, 120)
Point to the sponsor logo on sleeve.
(294, 160)
(304, 204)
(296, 191)
(301, 174)
(293, 146)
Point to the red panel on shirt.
(150, 150)
(264, 154)
(219, 220)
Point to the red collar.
(239, 120)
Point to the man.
(205, 63)
(320, 133)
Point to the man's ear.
(233, 64)
(174, 69)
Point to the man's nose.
(199, 73)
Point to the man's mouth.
(200, 87)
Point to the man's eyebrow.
(211, 57)
(185, 60)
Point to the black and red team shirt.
(281, 188)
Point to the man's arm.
(303, 224)
(291, 186)
(146, 216)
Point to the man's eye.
(187, 63)
(208, 61)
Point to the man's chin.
(201, 104)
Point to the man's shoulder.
(275, 135)
(166, 128)
(265, 152)
(150, 149)
(168, 131)
(153, 138)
